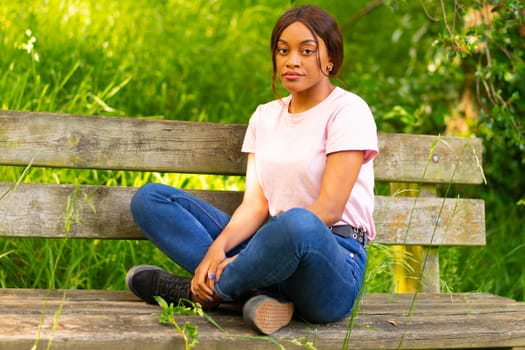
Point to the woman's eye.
(282, 51)
(308, 52)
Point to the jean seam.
(175, 199)
(336, 271)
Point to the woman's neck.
(304, 100)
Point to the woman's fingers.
(200, 283)
(202, 290)
(206, 274)
(222, 265)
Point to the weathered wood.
(430, 280)
(117, 320)
(416, 268)
(428, 159)
(75, 319)
(102, 212)
(92, 142)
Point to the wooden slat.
(102, 212)
(36, 210)
(74, 141)
(426, 158)
(91, 142)
(429, 221)
(117, 320)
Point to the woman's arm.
(245, 221)
(340, 175)
(249, 216)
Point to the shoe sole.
(267, 314)
(134, 270)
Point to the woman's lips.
(292, 75)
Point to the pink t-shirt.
(291, 150)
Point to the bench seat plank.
(117, 320)
(102, 212)
(95, 142)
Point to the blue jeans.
(293, 253)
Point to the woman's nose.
(294, 59)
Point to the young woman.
(309, 170)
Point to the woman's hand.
(245, 221)
(206, 274)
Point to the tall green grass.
(171, 59)
(497, 268)
(175, 59)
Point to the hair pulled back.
(321, 24)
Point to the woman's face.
(299, 59)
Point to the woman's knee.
(145, 197)
(298, 226)
(141, 197)
(301, 220)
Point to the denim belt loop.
(350, 231)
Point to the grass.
(194, 60)
(165, 59)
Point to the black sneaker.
(147, 281)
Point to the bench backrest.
(94, 142)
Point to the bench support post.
(430, 280)
(416, 268)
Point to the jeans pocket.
(356, 258)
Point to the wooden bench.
(102, 319)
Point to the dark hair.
(321, 24)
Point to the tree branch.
(362, 12)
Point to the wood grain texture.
(429, 159)
(91, 142)
(94, 142)
(102, 212)
(117, 320)
(89, 319)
